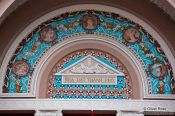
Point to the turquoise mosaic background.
(33, 47)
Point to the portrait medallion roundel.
(158, 70)
(20, 68)
(47, 34)
(90, 22)
(132, 35)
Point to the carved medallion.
(158, 70)
(20, 68)
(47, 34)
(132, 35)
(90, 22)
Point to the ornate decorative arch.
(24, 63)
(85, 43)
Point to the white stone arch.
(55, 51)
(57, 12)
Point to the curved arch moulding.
(152, 57)
(100, 47)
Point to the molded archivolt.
(82, 43)
(157, 74)
(89, 74)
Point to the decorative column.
(59, 113)
(48, 113)
(129, 113)
(119, 113)
(37, 113)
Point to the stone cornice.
(119, 105)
